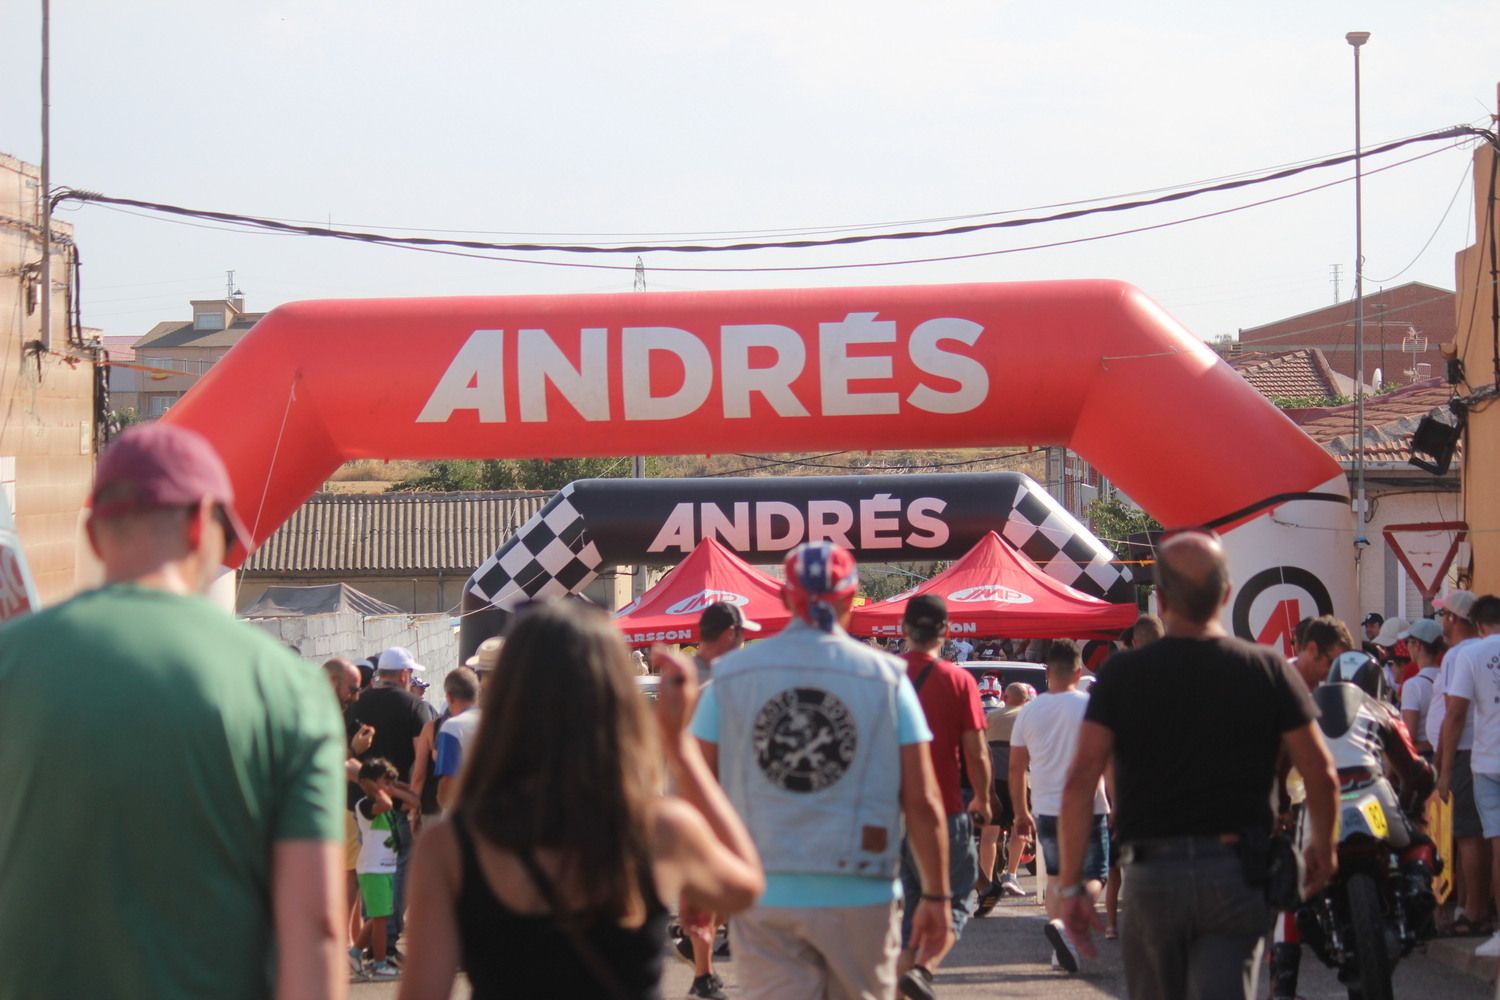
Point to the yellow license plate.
(1375, 816)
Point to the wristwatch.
(1070, 891)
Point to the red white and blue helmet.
(818, 575)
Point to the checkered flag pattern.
(1042, 530)
(551, 555)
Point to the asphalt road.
(1005, 955)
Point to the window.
(208, 321)
(161, 404)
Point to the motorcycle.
(1380, 905)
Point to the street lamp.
(1357, 39)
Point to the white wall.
(1382, 578)
(316, 638)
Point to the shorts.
(812, 953)
(378, 890)
(1466, 821)
(1095, 860)
(1004, 815)
(1487, 802)
(963, 872)
(351, 842)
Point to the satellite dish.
(1378, 380)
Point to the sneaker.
(1062, 948)
(1010, 885)
(721, 947)
(916, 984)
(1491, 948)
(395, 956)
(356, 961)
(987, 899)
(384, 971)
(713, 977)
(683, 949)
(704, 986)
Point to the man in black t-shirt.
(397, 716)
(1194, 722)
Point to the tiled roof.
(1390, 420)
(395, 534)
(1287, 374)
(182, 334)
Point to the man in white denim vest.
(821, 745)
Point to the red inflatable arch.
(1093, 365)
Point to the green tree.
(1113, 521)
(457, 475)
(446, 476)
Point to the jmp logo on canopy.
(695, 604)
(994, 594)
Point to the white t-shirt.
(1476, 677)
(1416, 696)
(1048, 728)
(1437, 709)
(965, 650)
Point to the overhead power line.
(421, 242)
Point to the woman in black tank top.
(547, 880)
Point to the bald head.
(1015, 694)
(1192, 576)
(344, 676)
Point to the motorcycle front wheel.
(1367, 926)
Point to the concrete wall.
(427, 594)
(316, 638)
(47, 433)
(1475, 345)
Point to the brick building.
(1405, 328)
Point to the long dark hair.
(566, 754)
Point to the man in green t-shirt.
(173, 822)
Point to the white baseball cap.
(1458, 603)
(399, 658)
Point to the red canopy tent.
(669, 611)
(995, 591)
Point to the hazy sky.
(634, 119)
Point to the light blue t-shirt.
(806, 891)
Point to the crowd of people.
(844, 811)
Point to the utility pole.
(46, 175)
(1380, 307)
(1357, 39)
(638, 464)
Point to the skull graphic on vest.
(804, 739)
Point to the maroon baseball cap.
(163, 465)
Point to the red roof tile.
(1286, 375)
(1390, 420)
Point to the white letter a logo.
(474, 381)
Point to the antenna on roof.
(229, 284)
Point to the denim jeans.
(394, 925)
(1096, 861)
(1193, 928)
(963, 870)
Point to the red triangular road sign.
(1426, 550)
